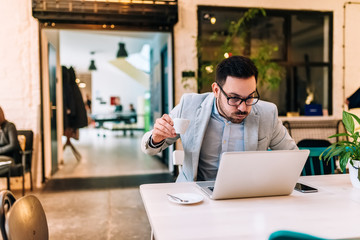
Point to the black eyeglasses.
(237, 101)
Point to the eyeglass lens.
(235, 101)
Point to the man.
(231, 118)
(9, 144)
(118, 106)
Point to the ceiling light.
(92, 66)
(122, 51)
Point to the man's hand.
(163, 129)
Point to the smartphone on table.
(304, 188)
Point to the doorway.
(52, 91)
(107, 151)
(165, 93)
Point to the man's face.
(234, 87)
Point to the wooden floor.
(98, 197)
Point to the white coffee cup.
(180, 125)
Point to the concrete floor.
(97, 214)
(113, 155)
(104, 213)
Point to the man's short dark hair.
(235, 66)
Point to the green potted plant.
(347, 150)
(235, 41)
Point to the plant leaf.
(356, 117)
(344, 142)
(344, 160)
(340, 135)
(348, 122)
(336, 152)
(328, 151)
(263, 12)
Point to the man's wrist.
(157, 145)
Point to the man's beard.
(231, 118)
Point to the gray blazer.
(263, 130)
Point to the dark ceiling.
(152, 15)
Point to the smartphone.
(304, 188)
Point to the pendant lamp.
(92, 66)
(122, 51)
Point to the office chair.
(26, 138)
(22, 219)
(313, 165)
(290, 235)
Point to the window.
(299, 43)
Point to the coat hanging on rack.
(75, 116)
(74, 107)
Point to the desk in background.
(127, 119)
(333, 212)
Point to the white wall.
(351, 75)
(20, 71)
(352, 49)
(110, 81)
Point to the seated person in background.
(230, 118)
(9, 143)
(133, 111)
(131, 108)
(118, 106)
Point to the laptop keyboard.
(211, 188)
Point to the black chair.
(19, 169)
(22, 219)
(313, 165)
(7, 199)
(5, 171)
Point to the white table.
(332, 212)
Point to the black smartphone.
(304, 188)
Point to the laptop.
(256, 174)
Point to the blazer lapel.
(251, 130)
(203, 114)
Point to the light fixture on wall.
(122, 51)
(209, 17)
(92, 66)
